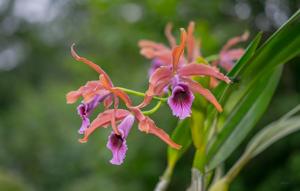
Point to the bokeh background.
(38, 130)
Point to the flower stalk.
(141, 94)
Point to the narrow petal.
(151, 44)
(226, 64)
(164, 54)
(233, 41)
(148, 126)
(227, 58)
(178, 50)
(235, 54)
(117, 143)
(73, 96)
(122, 95)
(213, 82)
(88, 92)
(89, 63)
(181, 101)
(102, 120)
(202, 70)
(152, 50)
(160, 74)
(107, 102)
(191, 42)
(169, 35)
(197, 88)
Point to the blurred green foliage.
(38, 131)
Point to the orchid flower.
(157, 52)
(178, 73)
(161, 55)
(102, 90)
(92, 91)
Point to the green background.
(38, 130)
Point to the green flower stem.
(212, 57)
(199, 139)
(164, 181)
(133, 92)
(153, 110)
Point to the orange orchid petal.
(233, 41)
(88, 91)
(91, 89)
(178, 50)
(149, 53)
(73, 96)
(160, 74)
(148, 126)
(89, 63)
(213, 82)
(158, 80)
(113, 117)
(235, 54)
(163, 55)
(138, 114)
(147, 99)
(103, 120)
(107, 102)
(121, 94)
(197, 88)
(154, 90)
(151, 44)
(106, 83)
(191, 45)
(169, 35)
(160, 87)
(202, 70)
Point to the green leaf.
(271, 134)
(199, 139)
(265, 138)
(282, 46)
(253, 92)
(242, 118)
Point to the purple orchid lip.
(117, 143)
(181, 100)
(85, 110)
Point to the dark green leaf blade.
(243, 117)
(281, 47)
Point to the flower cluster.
(171, 74)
